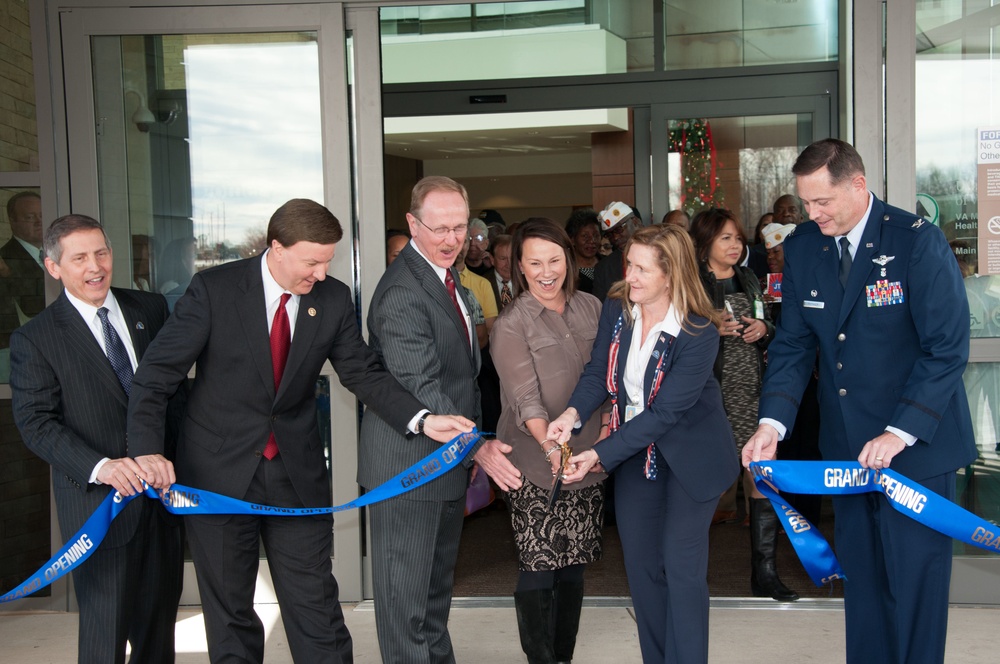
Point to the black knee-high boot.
(534, 623)
(764, 581)
(568, 603)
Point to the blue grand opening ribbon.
(183, 500)
(848, 477)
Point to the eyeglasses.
(441, 232)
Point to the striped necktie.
(117, 354)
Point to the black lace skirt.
(568, 534)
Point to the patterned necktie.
(281, 341)
(505, 295)
(845, 260)
(116, 352)
(449, 282)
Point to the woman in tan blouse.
(540, 344)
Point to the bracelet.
(606, 424)
(549, 453)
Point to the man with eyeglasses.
(419, 326)
(478, 260)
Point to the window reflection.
(743, 163)
(218, 131)
(743, 33)
(577, 37)
(978, 488)
(956, 98)
(22, 280)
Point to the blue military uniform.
(893, 345)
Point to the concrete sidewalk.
(485, 630)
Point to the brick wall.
(18, 128)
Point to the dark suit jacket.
(416, 332)
(221, 323)
(491, 276)
(70, 407)
(606, 273)
(686, 419)
(895, 365)
(25, 286)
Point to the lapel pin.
(918, 223)
(826, 248)
(312, 311)
(813, 293)
(140, 326)
(869, 245)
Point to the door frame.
(77, 187)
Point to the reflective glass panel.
(499, 40)
(201, 138)
(956, 67)
(742, 163)
(22, 276)
(978, 487)
(738, 33)
(24, 478)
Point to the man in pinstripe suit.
(70, 404)
(424, 338)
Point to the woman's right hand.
(730, 327)
(581, 464)
(561, 428)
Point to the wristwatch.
(421, 421)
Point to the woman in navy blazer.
(671, 448)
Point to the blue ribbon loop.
(848, 477)
(182, 500)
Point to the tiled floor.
(484, 630)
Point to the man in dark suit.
(419, 327)
(500, 279)
(22, 288)
(877, 291)
(260, 330)
(71, 371)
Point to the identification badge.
(631, 411)
(758, 309)
(813, 304)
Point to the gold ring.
(878, 458)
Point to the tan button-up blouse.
(539, 355)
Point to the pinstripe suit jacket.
(221, 323)
(69, 406)
(415, 330)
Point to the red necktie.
(449, 282)
(281, 341)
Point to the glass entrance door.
(703, 155)
(202, 123)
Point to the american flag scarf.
(660, 352)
